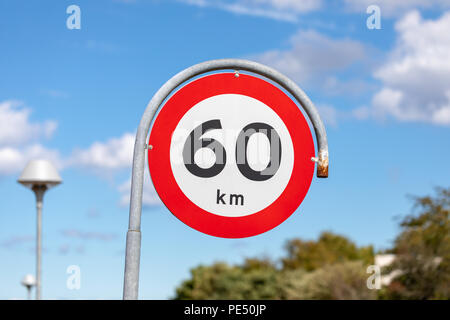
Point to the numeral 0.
(196, 142)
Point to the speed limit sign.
(230, 155)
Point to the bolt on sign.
(231, 155)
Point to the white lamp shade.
(28, 280)
(39, 172)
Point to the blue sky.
(76, 97)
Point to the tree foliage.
(340, 281)
(253, 280)
(330, 248)
(423, 251)
(338, 274)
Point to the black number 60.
(196, 142)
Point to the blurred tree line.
(333, 267)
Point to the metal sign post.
(133, 247)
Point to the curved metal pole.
(133, 248)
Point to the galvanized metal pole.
(39, 192)
(28, 293)
(133, 247)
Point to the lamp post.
(28, 281)
(39, 176)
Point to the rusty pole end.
(322, 165)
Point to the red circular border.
(198, 218)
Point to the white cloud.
(13, 160)
(328, 114)
(88, 235)
(18, 136)
(103, 158)
(361, 113)
(106, 157)
(55, 93)
(17, 240)
(290, 10)
(332, 85)
(416, 77)
(102, 46)
(331, 116)
(126, 1)
(15, 125)
(314, 56)
(287, 10)
(149, 195)
(390, 8)
(109, 157)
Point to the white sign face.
(230, 193)
(231, 155)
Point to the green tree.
(332, 267)
(340, 281)
(329, 249)
(423, 251)
(255, 279)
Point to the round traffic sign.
(230, 155)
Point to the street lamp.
(39, 176)
(28, 281)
